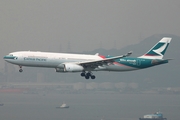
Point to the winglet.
(97, 54)
(128, 54)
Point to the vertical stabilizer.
(158, 50)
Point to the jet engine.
(69, 67)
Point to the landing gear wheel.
(88, 74)
(20, 70)
(83, 74)
(87, 77)
(93, 77)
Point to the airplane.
(84, 63)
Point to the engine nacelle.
(60, 68)
(69, 67)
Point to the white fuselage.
(53, 60)
(48, 59)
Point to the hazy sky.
(83, 25)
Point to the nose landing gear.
(20, 70)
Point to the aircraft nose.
(8, 57)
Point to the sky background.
(83, 25)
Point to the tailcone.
(158, 61)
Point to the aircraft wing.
(106, 61)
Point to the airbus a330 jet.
(64, 62)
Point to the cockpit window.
(10, 54)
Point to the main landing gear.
(88, 75)
(20, 70)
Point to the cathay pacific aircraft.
(63, 62)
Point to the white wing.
(106, 61)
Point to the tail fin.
(158, 50)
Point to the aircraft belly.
(52, 65)
(120, 68)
